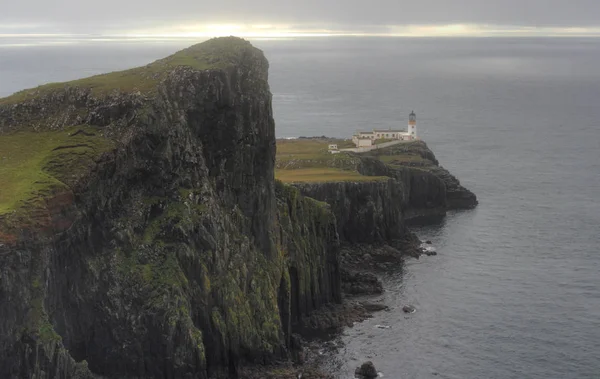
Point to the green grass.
(34, 165)
(303, 148)
(308, 160)
(217, 53)
(311, 153)
(318, 175)
(400, 158)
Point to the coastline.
(373, 219)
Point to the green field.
(318, 175)
(33, 165)
(308, 160)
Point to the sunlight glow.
(273, 30)
(279, 31)
(221, 30)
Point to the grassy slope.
(34, 165)
(213, 54)
(307, 160)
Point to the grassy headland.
(217, 53)
(308, 160)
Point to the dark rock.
(409, 309)
(360, 283)
(366, 212)
(428, 242)
(366, 371)
(374, 307)
(380, 255)
(332, 318)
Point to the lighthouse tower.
(412, 125)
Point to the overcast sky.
(122, 16)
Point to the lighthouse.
(412, 125)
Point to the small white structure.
(365, 139)
(333, 149)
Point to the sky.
(312, 17)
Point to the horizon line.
(186, 31)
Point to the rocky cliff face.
(430, 189)
(366, 212)
(376, 212)
(168, 252)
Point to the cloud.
(415, 17)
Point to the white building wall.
(412, 130)
(365, 142)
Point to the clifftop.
(214, 54)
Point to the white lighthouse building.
(412, 125)
(368, 139)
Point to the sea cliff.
(149, 239)
(375, 194)
(143, 233)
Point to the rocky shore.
(149, 238)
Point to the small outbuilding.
(333, 148)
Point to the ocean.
(515, 289)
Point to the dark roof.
(388, 131)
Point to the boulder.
(374, 307)
(366, 371)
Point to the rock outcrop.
(372, 215)
(376, 212)
(366, 371)
(169, 252)
(430, 189)
(366, 212)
